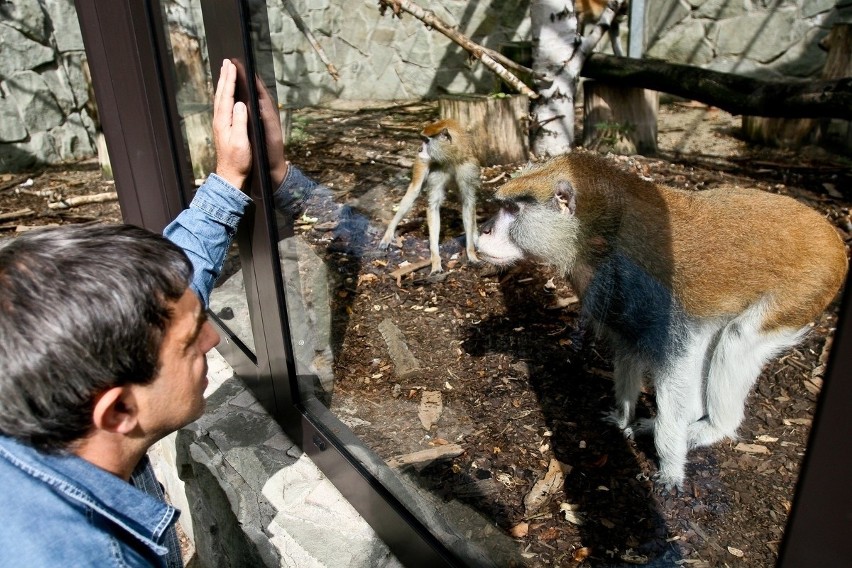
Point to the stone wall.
(249, 496)
(45, 114)
(44, 101)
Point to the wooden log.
(498, 125)
(795, 132)
(83, 200)
(736, 94)
(622, 120)
(19, 214)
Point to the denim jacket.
(205, 229)
(61, 510)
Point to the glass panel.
(476, 397)
(186, 39)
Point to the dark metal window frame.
(133, 81)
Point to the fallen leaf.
(765, 438)
(798, 421)
(581, 554)
(544, 488)
(369, 277)
(752, 448)
(520, 530)
(736, 552)
(572, 513)
(431, 407)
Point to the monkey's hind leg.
(678, 383)
(433, 220)
(418, 176)
(467, 180)
(737, 359)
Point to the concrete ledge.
(248, 495)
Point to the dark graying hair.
(83, 308)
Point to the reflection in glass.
(521, 385)
(186, 41)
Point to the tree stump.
(498, 125)
(622, 120)
(795, 132)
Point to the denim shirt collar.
(76, 479)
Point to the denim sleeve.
(205, 230)
(294, 191)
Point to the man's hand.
(274, 138)
(230, 129)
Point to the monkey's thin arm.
(485, 55)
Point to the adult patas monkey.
(698, 289)
(446, 159)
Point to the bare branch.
(300, 23)
(486, 56)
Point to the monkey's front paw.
(384, 244)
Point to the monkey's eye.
(510, 207)
(424, 138)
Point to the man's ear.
(115, 411)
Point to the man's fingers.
(219, 86)
(223, 101)
(240, 120)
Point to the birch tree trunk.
(554, 38)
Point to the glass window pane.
(474, 396)
(186, 39)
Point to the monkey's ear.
(565, 197)
(446, 134)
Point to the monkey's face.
(496, 244)
(527, 227)
(437, 145)
(423, 154)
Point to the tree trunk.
(622, 120)
(498, 125)
(554, 34)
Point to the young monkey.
(698, 289)
(589, 12)
(446, 159)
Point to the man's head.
(95, 317)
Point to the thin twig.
(300, 23)
(488, 57)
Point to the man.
(103, 346)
